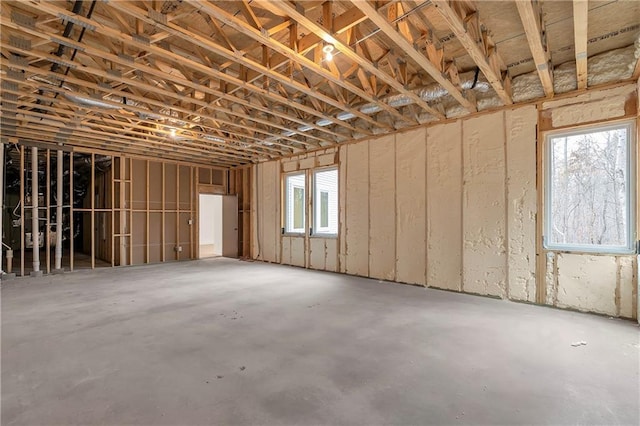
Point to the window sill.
(325, 236)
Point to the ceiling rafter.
(221, 147)
(243, 60)
(463, 20)
(401, 41)
(321, 32)
(163, 76)
(109, 32)
(161, 91)
(533, 23)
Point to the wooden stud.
(71, 212)
(47, 244)
(22, 172)
(93, 212)
(162, 235)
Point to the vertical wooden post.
(130, 209)
(93, 213)
(178, 212)
(113, 210)
(22, 172)
(71, 211)
(59, 204)
(47, 235)
(191, 215)
(162, 236)
(147, 222)
(122, 213)
(35, 214)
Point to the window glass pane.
(589, 198)
(298, 208)
(325, 220)
(294, 203)
(324, 209)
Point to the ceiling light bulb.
(328, 48)
(173, 133)
(328, 56)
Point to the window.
(590, 190)
(294, 203)
(325, 217)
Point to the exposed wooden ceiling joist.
(531, 16)
(580, 25)
(464, 22)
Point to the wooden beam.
(163, 75)
(308, 23)
(464, 22)
(175, 58)
(534, 28)
(404, 44)
(580, 25)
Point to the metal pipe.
(59, 201)
(35, 226)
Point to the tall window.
(325, 201)
(294, 203)
(590, 190)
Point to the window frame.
(285, 203)
(631, 166)
(313, 233)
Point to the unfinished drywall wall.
(454, 206)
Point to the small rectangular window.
(325, 218)
(294, 201)
(589, 190)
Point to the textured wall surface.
(454, 206)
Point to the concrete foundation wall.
(451, 206)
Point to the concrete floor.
(226, 342)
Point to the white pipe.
(1, 200)
(59, 200)
(35, 226)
